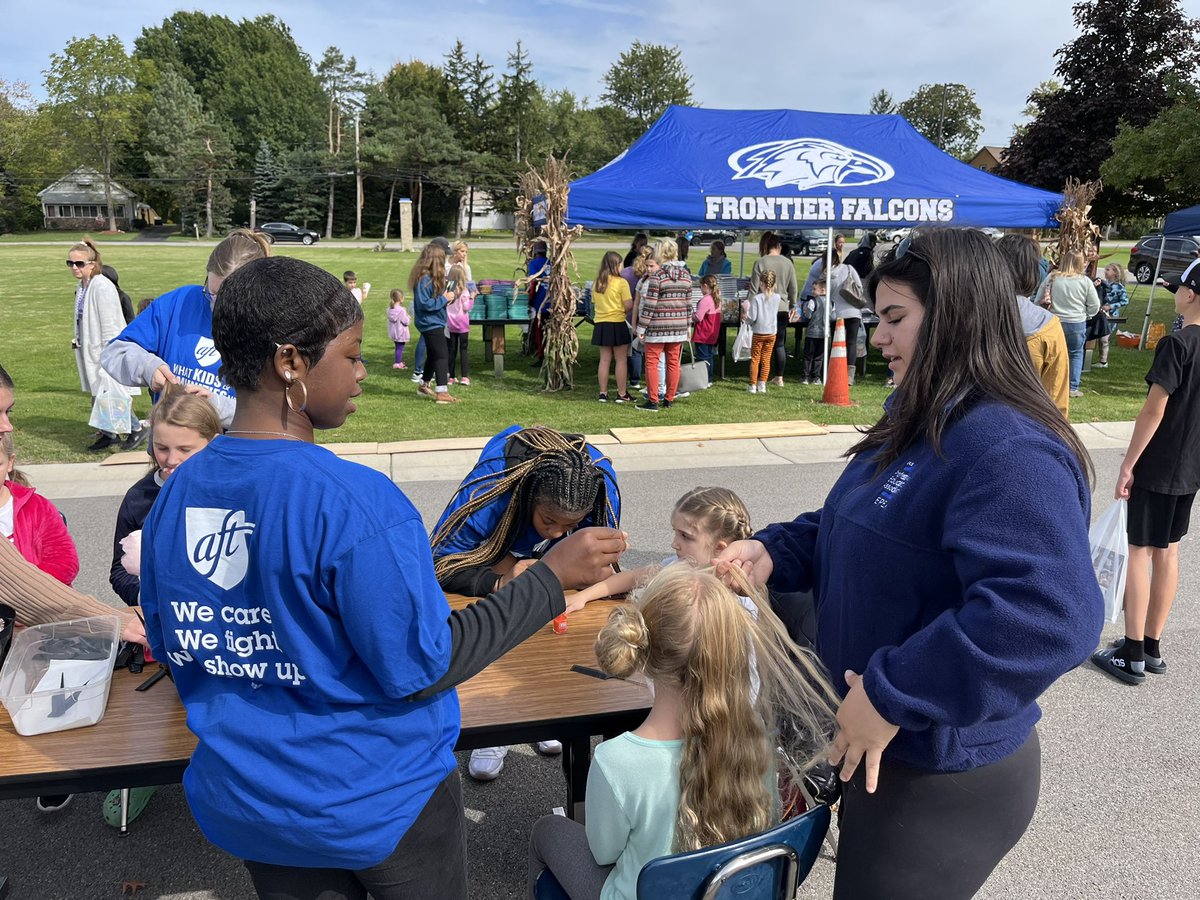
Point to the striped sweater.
(665, 311)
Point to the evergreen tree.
(517, 97)
(266, 182)
(882, 103)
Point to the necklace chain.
(282, 434)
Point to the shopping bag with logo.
(742, 343)
(112, 411)
(1110, 556)
(693, 376)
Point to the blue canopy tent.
(1180, 222)
(782, 168)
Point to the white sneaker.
(487, 763)
(682, 395)
(762, 387)
(549, 748)
(417, 376)
(754, 388)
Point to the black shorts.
(1158, 520)
(610, 334)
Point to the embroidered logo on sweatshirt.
(218, 544)
(206, 352)
(895, 483)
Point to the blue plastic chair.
(766, 866)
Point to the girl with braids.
(979, 593)
(530, 488)
(705, 521)
(703, 768)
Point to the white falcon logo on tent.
(808, 163)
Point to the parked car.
(282, 231)
(805, 241)
(895, 235)
(728, 238)
(994, 233)
(1177, 254)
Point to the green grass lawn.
(37, 297)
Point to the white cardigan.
(102, 321)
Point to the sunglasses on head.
(78, 263)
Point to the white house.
(76, 203)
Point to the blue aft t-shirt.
(293, 594)
(480, 524)
(177, 328)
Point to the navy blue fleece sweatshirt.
(960, 586)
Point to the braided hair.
(551, 469)
(718, 511)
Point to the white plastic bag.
(1110, 556)
(742, 343)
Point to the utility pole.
(358, 178)
(942, 121)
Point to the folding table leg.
(576, 757)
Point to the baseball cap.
(1189, 279)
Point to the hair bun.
(623, 642)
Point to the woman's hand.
(131, 555)
(162, 377)
(586, 557)
(750, 557)
(862, 734)
(516, 570)
(132, 629)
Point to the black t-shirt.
(1170, 464)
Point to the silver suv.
(1177, 255)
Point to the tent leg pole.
(829, 319)
(1153, 284)
(742, 260)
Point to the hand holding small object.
(131, 556)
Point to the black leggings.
(923, 835)
(779, 354)
(852, 326)
(458, 347)
(429, 861)
(437, 357)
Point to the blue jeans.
(705, 352)
(419, 355)
(1075, 333)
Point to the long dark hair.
(970, 347)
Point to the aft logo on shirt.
(206, 352)
(218, 542)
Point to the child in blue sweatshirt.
(951, 590)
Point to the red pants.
(760, 358)
(653, 352)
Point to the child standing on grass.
(397, 317)
(1113, 299)
(1159, 476)
(703, 768)
(708, 321)
(350, 279)
(458, 320)
(816, 310)
(761, 311)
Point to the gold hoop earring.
(287, 396)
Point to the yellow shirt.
(610, 304)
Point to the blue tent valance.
(1183, 221)
(782, 168)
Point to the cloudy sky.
(828, 56)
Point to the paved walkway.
(450, 459)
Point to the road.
(1119, 808)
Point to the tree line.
(205, 115)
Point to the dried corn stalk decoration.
(1076, 230)
(560, 343)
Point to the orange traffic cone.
(837, 378)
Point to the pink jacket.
(398, 324)
(458, 318)
(41, 536)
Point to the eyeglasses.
(904, 246)
(78, 263)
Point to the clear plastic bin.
(57, 676)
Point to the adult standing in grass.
(172, 341)
(98, 319)
(664, 317)
(980, 592)
(612, 301)
(1071, 295)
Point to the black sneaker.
(55, 803)
(1114, 664)
(604, 398)
(667, 404)
(1155, 664)
(136, 439)
(648, 406)
(623, 398)
(103, 443)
